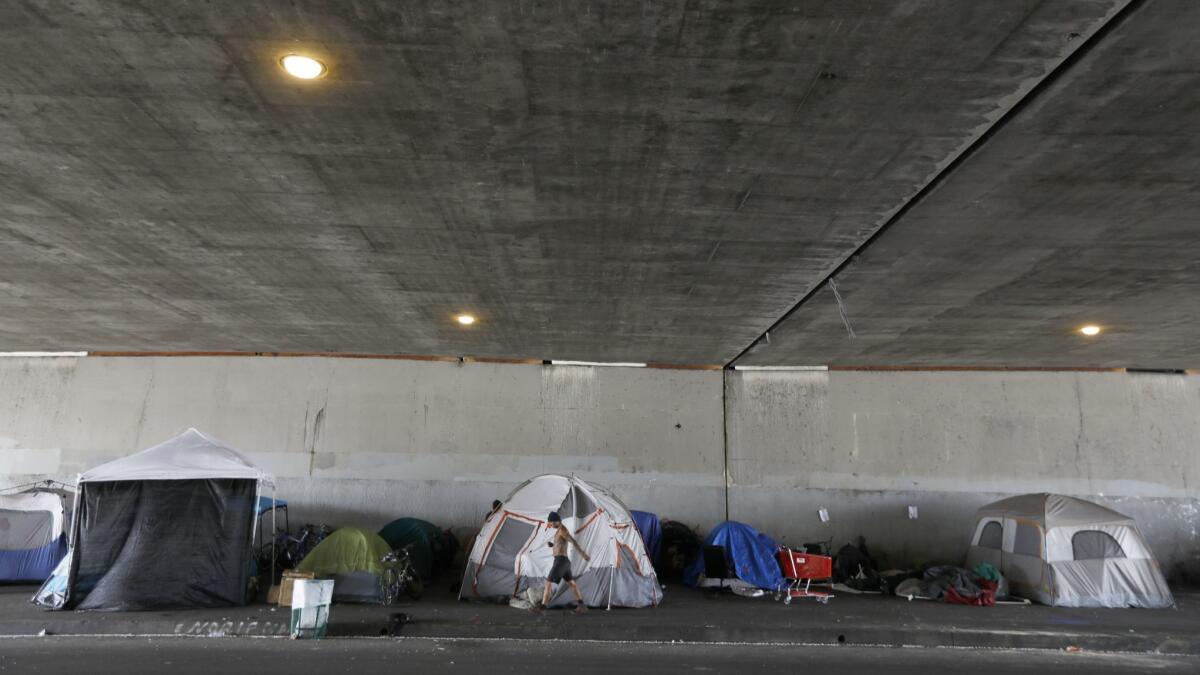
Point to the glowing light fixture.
(604, 364)
(1090, 330)
(303, 67)
(42, 354)
(465, 319)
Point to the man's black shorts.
(561, 570)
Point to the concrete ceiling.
(1083, 209)
(605, 181)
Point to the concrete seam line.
(757, 643)
(1047, 81)
(681, 643)
(327, 355)
(972, 369)
(649, 365)
(811, 369)
(503, 360)
(725, 434)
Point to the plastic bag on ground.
(910, 588)
(530, 598)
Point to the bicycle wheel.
(387, 586)
(414, 588)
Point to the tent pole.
(612, 577)
(255, 526)
(74, 514)
(271, 577)
(72, 553)
(612, 571)
(256, 521)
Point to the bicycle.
(290, 549)
(310, 537)
(399, 576)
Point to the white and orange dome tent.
(512, 552)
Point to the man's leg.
(546, 593)
(580, 605)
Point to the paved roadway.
(225, 656)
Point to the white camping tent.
(511, 553)
(168, 527)
(32, 533)
(1068, 552)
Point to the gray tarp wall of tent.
(161, 544)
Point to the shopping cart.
(803, 571)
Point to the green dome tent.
(353, 559)
(424, 537)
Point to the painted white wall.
(867, 444)
(359, 441)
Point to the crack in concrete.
(1034, 93)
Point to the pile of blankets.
(956, 585)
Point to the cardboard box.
(282, 594)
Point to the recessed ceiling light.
(1090, 330)
(618, 364)
(465, 319)
(303, 67)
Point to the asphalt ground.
(186, 656)
(686, 615)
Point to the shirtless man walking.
(561, 569)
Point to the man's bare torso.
(560, 541)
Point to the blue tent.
(650, 528)
(32, 564)
(750, 553)
(33, 537)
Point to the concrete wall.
(355, 441)
(866, 445)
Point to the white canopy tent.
(170, 526)
(190, 455)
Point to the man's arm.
(576, 545)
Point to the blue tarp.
(650, 528)
(264, 504)
(751, 556)
(32, 564)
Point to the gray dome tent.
(1068, 552)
